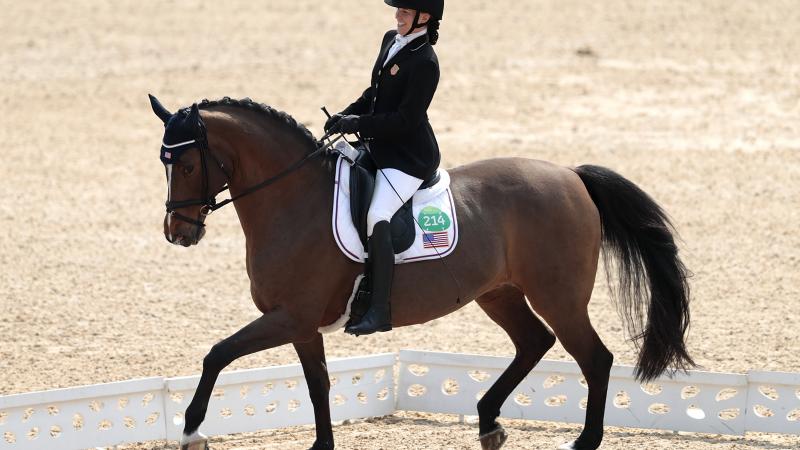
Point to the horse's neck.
(286, 209)
(279, 219)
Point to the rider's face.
(405, 18)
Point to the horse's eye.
(188, 169)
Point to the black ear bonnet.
(183, 131)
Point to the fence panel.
(89, 416)
(702, 402)
(277, 397)
(773, 402)
(556, 391)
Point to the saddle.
(362, 186)
(425, 228)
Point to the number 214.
(433, 220)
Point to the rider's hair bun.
(433, 31)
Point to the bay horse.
(530, 237)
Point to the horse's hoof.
(493, 440)
(578, 445)
(199, 445)
(197, 441)
(322, 446)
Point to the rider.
(392, 116)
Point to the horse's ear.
(159, 109)
(195, 112)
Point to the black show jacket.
(393, 110)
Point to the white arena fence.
(275, 397)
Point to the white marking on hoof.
(194, 441)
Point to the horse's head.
(191, 185)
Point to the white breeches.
(389, 196)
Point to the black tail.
(638, 234)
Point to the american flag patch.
(435, 240)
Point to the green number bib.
(433, 219)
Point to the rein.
(209, 202)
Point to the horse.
(531, 234)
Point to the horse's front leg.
(312, 357)
(268, 331)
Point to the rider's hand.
(332, 121)
(347, 125)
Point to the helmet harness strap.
(415, 24)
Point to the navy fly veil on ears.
(181, 132)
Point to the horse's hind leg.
(506, 306)
(315, 369)
(575, 332)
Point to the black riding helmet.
(433, 7)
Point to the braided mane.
(281, 117)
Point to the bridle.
(208, 201)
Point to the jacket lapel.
(382, 55)
(406, 51)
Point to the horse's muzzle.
(181, 233)
(188, 241)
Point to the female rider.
(391, 115)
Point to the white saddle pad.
(434, 212)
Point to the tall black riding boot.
(381, 254)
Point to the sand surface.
(698, 102)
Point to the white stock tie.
(400, 42)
